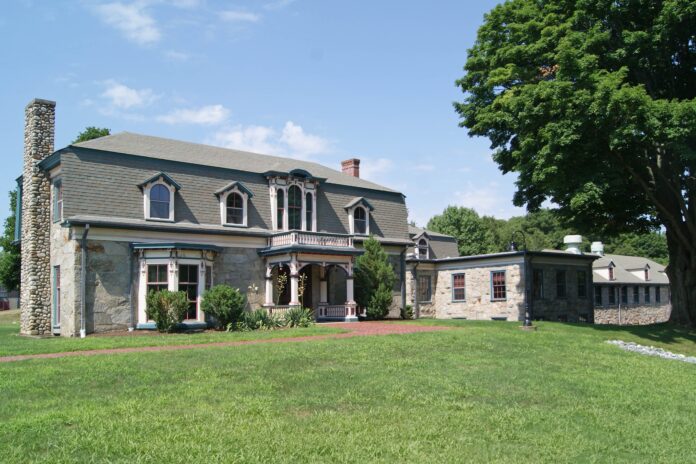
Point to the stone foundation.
(633, 315)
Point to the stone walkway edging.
(356, 329)
(651, 351)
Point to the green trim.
(164, 177)
(232, 185)
(297, 173)
(359, 201)
(308, 249)
(57, 212)
(153, 226)
(51, 161)
(174, 245)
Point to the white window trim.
(274, 206)
(418, 247)
(146, 200)
(223, 208)
(172, 283)
(56, 184)
(351, 220)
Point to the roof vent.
(572, 243)
(597, 248)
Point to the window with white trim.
(159, 201)
(295, 206)
(459, 287)
(360, 221)
(423, 249)
(498, 286)
(188, 283)
(57, 200)
(234, 206)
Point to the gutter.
(83, 280)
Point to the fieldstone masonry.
(39, 125)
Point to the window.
(159, 202)
(582, 284)
(56, 297)
(188, 283)
(280, 200)
(309, 211)
(598, 296)
(157, 278)
(624, 295)
(646, 293)
(538, 283)
(612, 295)
(57, 201)
(647, 274)
(423, 249)
(611, 272)
(498, 290)
(560, 284)
(235, 209)
(636, 294)
(294, 208)
(424, 289)
(360, 220)
(458, 287)
(658, 297)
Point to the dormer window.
(423, 249)
(359, 216)
(294, 208)
(158, 197)
(360, 221)
(294, 202)
(234, 200)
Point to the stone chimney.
(35, 306)
(351, 167)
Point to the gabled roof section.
(362, 201)
(164, 177)
(416, 232)
(205, 155)
(241, 187)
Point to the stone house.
(105, 221)
(629, 290)
(550, 285)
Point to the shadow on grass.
(664, 333)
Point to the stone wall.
(569, 308)
(641, 313)
(239, 268)
(39, 125)
(64, 254)
(478, 304)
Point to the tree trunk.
(682, 280)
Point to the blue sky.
(318, 80)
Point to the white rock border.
(652, 351)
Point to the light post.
(527, 277)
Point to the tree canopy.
(10, 259)
(90, 133)
(593, 104)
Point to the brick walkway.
(359, 329)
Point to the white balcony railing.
(310, 239)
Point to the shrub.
(407, 312)
(380, 302)
(374, 279)
(225, 304)
(299, 317)
(258, 319)
(167, 309)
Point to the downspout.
(403, 278)
(529, 295)
(83, 280)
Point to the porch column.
(294, 283)
(349, 290)
(323, 287)
(269, 286)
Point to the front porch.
(312, 270)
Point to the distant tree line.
(543, 229)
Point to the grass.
(482, 392)
(11, 343)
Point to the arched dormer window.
(309, 211)
(359, 216)
(360, 221)
(234, 200)
(158, 197)
(280, 210)
(423, 249)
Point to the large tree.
(90, 133)
(11, 257)
(593, 104)
(466, 226)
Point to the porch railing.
(278, 310)
(310, 239)
(340, 311)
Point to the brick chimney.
(351, 167)
(35, 302)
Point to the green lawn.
(482, 392)
(11, 343)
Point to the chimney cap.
(41, 101)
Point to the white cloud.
(374, 169)
(292, 141)
(488, 200)
(300, 143)
(124, 97)
(237, 16)
(174, 55)
(131, 20)
(206, 115)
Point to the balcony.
(310, 239)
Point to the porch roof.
(296, 248)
